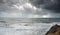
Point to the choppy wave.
(21, 29)
(14, 27)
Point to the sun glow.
(45, 16)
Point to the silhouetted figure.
(55, 30)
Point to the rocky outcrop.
(55, 30)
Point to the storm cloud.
(29, 9)
(53, 5)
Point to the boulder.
(55, 30)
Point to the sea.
(27, 26)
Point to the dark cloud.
(1, 1)
(36, 2)
(53, 5)
(29, 8)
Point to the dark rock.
(55, 30)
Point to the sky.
(30, 8)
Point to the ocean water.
(25, 26)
